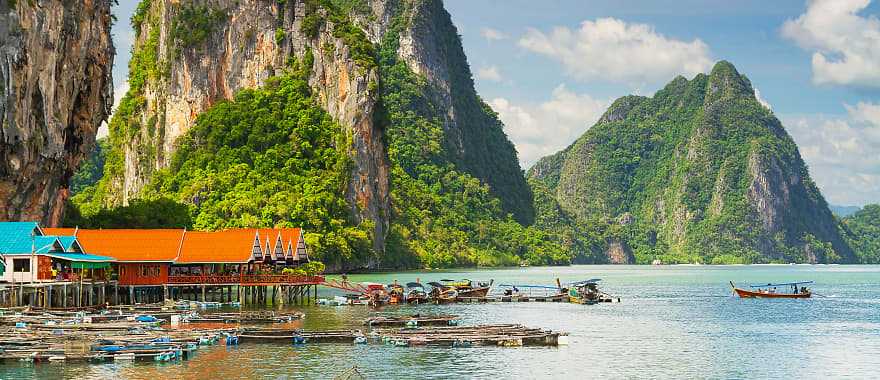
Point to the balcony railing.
(246, 279)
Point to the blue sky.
(550, 68)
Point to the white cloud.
(546, 128)
(490, 73)
(492, 34)
(761, 100)
(843, 153)
(118, 93)
(611, 49)
(846, 46)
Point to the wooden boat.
(587, 292)
(415, 293)
(467, 288)
(769, 290)
(442, 294)
(396, 294)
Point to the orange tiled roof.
(129, 245)
(228, 246)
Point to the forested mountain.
(862, 231)
(700, 172)
(355, 119)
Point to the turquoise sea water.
(673, 322)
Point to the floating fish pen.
(265, 316)
(99, 342)
(412, 321)
(506, 335)
(295, 336)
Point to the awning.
(83, 260)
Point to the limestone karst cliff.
(55, 91)
(190, 56)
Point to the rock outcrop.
(55, 91)
(234, 45)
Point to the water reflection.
(674, 322)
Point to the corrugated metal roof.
(16, 237)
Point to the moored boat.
(442, 294)
(415, 293)
(396, 293)
(587, 292)
(798, 290)
(468, 288)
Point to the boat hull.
(475, 292)
(742, 293)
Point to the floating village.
(85, 295)
(159, 295)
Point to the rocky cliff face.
(190, 55)
(55, 91)
(704, 173)
(245, 43)
(431, 48)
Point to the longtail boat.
(467, 288)
(396, 293)
(415, 293)
(553, 293)
(442, 294)
(770, 290)
(587, 292)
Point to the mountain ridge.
(698, 172)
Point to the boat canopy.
(586, 282)
(781, 284)
(414, 285)
(436, 284)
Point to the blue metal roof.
(15, 237)
(19, 238)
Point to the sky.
(551, 68)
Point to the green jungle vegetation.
(273, 157)
(669, 175)
(443, 216)
(92, 168)
(862, 231)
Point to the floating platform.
(412, 320)
(514, 298)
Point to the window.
(149, 271)
(21, 265)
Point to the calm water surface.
(674, 322)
